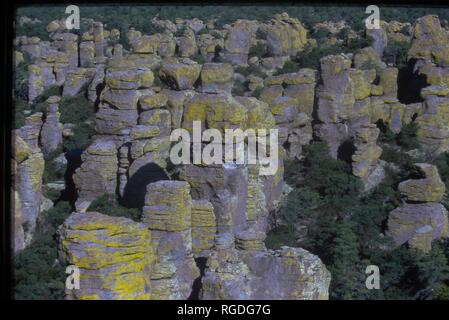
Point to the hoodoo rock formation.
(203, 228)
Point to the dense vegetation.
(121, 17)
(37, 272)
(108, 204)
(328, 214)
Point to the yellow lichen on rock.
(113, 255)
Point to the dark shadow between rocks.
(73, 158)
(197, 284)
(136, 188)
(345, 151)
(410, 84)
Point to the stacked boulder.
(51, 133)
(291, 100)
(421, 219)
(430, 51)
(168, 213)
(27, 171)
(238, 41)
(285, 36)
(97, 174)
(113, 256)
(284, 274)
(180, 75)
(366, 164)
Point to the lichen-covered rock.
(96, 83)
(430, 41)
(216, 77)
(77, 80)
(412, 222)
(113, 255)
(379, 38)
(344, 92)
(98, 172)
(35, 84)
(167, 213)
(144, 132)
(28, 185)
(366, 156)
(51, 133)
(285, 36)
(389, 83)
(187, 44)
(111, 121)
(121, 99)
(208, 45)
(132, 34)
(67, 43)
(285, 274)
(146, 44)
(238, 41)
(167, 45)
(31, 130)
(433, 123)
(367, 58)
(181, 75)
(99, 39)
(129, 78)
(204, 227)
(18, 57)
(299, 86)
(175, 103)
(428, 189)
(219, 111)
(157, 117)
(87, 54)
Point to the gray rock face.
(238, 41)
(380, 40)
(28, 168)
(51, 133)
(98, 172)
(285, 274)
(182, 75)
(113, 265)
(167, 213)
(418, 224)
(285, 36)
(87, 54)
(67, 43)
(77, 80)
(216, 77)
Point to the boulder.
(181, 75)
(428, 189)
(113, 255)
(418, 224)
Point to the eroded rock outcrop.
(289, 273)
(98, 172)
(366, 156)
(423, 219)
(168, 214)
(113, 254)
(51, 133)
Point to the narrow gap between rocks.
(410, 84)
(197, 284)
